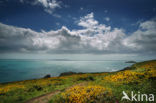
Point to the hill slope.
(85, 88)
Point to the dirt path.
(46, 97)
(43, 98)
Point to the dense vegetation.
(85, 88)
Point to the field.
(85, 88)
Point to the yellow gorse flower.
(142, 72)
(83, 94)
(9, 88)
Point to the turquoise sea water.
(16, 70)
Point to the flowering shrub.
(125, 77)
(10, 88)
(81, 88)
(85, 94)
(29, 84)
(142, 72)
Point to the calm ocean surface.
(16, 70)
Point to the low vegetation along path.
(43, 98)
(46, 97)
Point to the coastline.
(69, 73)
(139, 77)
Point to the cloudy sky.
(78, 27)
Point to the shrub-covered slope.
(85, 88)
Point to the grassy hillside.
(85, 88)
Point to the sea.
(17, 70)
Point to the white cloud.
(107, 18)
(81, 8)
(21, 1)
(88, 21)
(106, 11)
(91, 26)
(48, 5)
(144, 39)
(57, 23)
(92, 38)
(57, 15)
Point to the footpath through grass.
(96, 88)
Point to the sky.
(61, 27)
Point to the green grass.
(19, 92)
